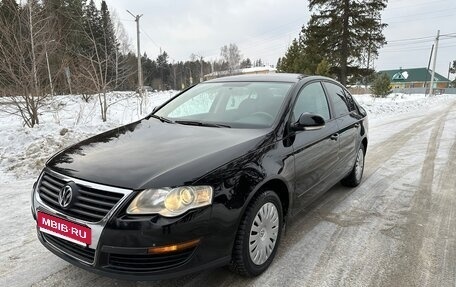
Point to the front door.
(315, 152)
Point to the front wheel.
(355, 176)
(258, 235)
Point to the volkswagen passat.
(208, 179)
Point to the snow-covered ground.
(64, 121)
(69, 119)
(396, 229)
(399, 103)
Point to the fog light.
(173, 248)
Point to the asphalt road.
(398, 228)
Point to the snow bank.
(400, 103)
(65, 121)
(68, 119)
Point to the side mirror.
(308, 122)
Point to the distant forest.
(81, 49)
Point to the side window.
(312, 99)
(338, 99)
(350, 101)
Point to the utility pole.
(427, 71)
(431, 89)
(140, 78)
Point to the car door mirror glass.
(308, 122)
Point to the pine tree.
(314, 45)
(67, 25)
(304, 54)
(164, 70)
(92, 26)
(294, 60)
(149, 68)
(246, 63)
(381, 87)
(109, 42)
(346, 28)
(258, 63)
(74, 27)
(108, 29)
(323, 68)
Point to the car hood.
(152, 154)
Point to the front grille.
(147, 262)
(90, 204)
(83, 253)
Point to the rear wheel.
(258, 235)
(355, 176)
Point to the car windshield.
(228, 104)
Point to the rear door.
(347, 118)
(315, 152)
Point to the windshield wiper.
(203, 124)
(162, 119)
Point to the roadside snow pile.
(400, 103)
(65, 121)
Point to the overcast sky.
(264, 28)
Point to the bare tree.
(121, 34)
(95, 69)
(232, 56)
(123, 41)
(23, 38)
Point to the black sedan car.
(208, 179)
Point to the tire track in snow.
(440, 233)
(413, 263)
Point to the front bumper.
(120, 242)
(104, 269)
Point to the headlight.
(170, 202)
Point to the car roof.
(272, 77)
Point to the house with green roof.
(415, 78)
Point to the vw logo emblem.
(65, 196)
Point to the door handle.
(357, 125)
(334, 137)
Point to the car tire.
(354, 178)
(260, 231)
